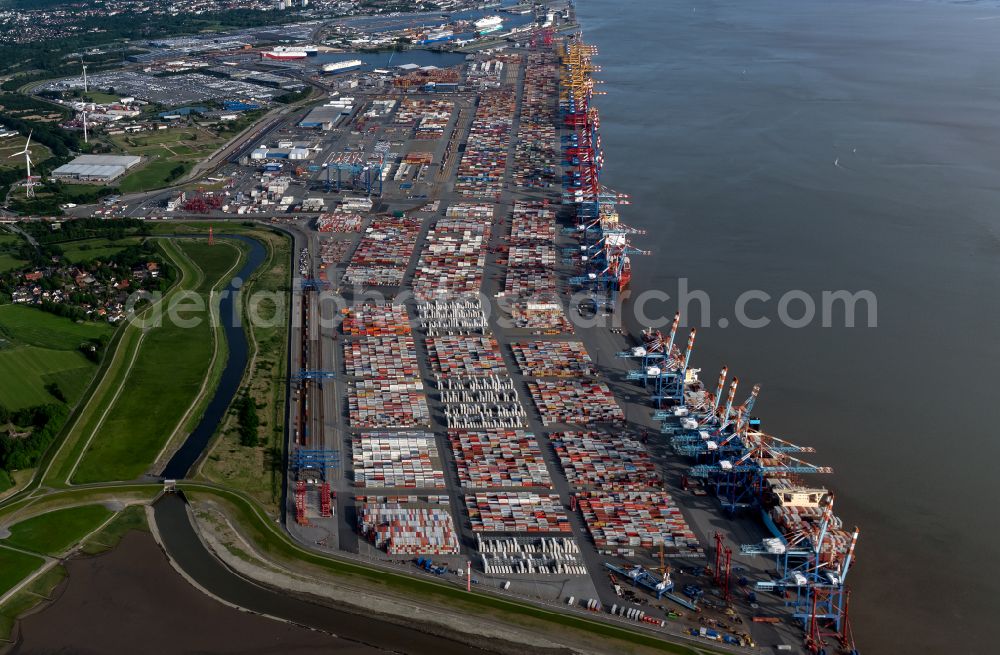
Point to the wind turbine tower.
(29, 183)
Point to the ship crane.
(813, 576)
(654, 348)
(742, 414)
(700, 414)
(662, 364)
(739, 479)
(702, 443)
(675, 391)
(716, 398)
(606, 283)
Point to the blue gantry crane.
(299, 376)
(811, 574)
(308, 283)
(739, 480)
(362, 177)
(314, 459)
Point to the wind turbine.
(84, 75)
(85, 139)
(29, 185)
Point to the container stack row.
(553, 359)
(463, 316)
(465, 355)
(533, 220)
(604, 461)
(405, 499)
(477, 391)
(376, 320)
(340, 221)
(429, 118)
(545, 315)
(384, 252)
(487, 74)
(492, 459)
(535, 156)
(506, 544)
(532, 564)
(532, 254)
(575, 402)
(334, 251)
(531, 284)
(387, 404)
(397, 460)
(481, 170)
(384, 358)
(389, 393)
(481, 402)
(408, 531)
(516, 512)
(454, 255)
(621, 522)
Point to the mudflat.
(130, 600)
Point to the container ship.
(488, 25)
(436, 36)
(340, 66)
(284, 53)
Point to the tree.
(249, 422)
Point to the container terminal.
(465, 402)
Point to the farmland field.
(36, 349)
(37, 328)
(153, 175)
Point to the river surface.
(232, 374)
(131, 601)
(819, 146)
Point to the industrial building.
(327, 116)
(285, 149)
(96, 168)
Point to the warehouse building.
(96, 168)
(327, 116)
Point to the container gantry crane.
(670, 376)
(739, 481)
(811, 574)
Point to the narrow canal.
(231, 315)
